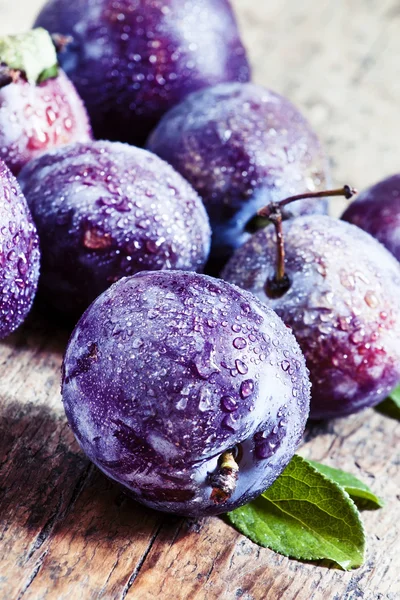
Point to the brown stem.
(8, 75)
(224, 479)
(276, 219)
(279, 284)
(346, 191)
(61, 41)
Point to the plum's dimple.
(241, 146)
(156, 391)
(343, 307)
(36, 118)
(133, 60)
(105, 210)
(19, 254)
(377, 211)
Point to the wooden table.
(66, 532)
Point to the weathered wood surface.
(68, 533)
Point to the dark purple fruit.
(39, 106)
(186, 390)
(19, 254)
(105, 210)
(377, 210)
(132, 60)
(241, 147)
(342, 303)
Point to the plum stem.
(279, 284)
(346, 191)
(61, 42)
(225, 478)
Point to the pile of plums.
(190, 389)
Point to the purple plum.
(241, 147)
(169, 376)
(105, 210)
(39, 109)
(342, 304)
(19, 254)
(132, 60)
(377, 210)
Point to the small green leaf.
(391, 406)
(32, 52)
(306, 516)
(357, 490)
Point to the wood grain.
(68, 533)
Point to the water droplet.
(371, 299)
(205, 399)
(151, 246)
(229, 423)
(50, 115)
(239, 343)
(204, 361)
(136, 343)
(347, 280)
(241, 367)
(181, 405)
(228, 404)
(285, 364)
(247, 388)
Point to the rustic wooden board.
(68, 533)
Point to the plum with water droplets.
(186, 390)
(241, 146)
(377, 210)
(19, 254)
(132, 60)
(341, 301)
(105, 210)
(39, 107)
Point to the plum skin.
(105, 210)
(133, 60)
(343, 307)
(167, 370)
(36, 118)
(19, 254)
(241, 146)
(377, 211)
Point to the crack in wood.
(145, 554)
(33, 575)
(58, 516)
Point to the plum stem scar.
(225, 478)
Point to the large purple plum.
(132, 60)
(377, 210)
(105, 210)
(241, 146)
(167, 373)
(19, 254)
(39, 107)
(342, 305)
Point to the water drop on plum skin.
(19, 272)
(76, 194)
(348, 324)
(131, 70)
(237, 176)
(172, 438)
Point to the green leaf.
(358, 491)
(391, 406)
(306, 516)
(32, 52)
